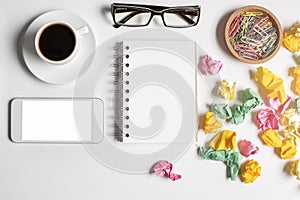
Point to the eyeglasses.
(136, 15)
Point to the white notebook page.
(155, 108)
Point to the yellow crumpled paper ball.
(225, 91)
(271, 138)
(273, 84)
(226, 140)
(211, 124)
(291, 132)
(287, 117)
(295, 168)
(250, 171)
(291, 38)
(287, 150)
(295, 73)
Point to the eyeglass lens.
(132, 17)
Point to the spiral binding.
(121, 82)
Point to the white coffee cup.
(57, 42)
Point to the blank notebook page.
(157, 78)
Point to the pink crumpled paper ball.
(164, 168)
(247, 148)
(275, 104)
(266, 119)
(210, 66)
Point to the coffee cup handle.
(82, 31)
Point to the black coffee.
(57, 42)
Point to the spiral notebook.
(156, 99)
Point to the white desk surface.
(30, 172)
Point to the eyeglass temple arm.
(128, 17)
(185, 18)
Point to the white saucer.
(51, 73)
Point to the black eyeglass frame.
(154, 10)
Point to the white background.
(69, 172)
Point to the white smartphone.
(57, 120)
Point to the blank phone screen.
(53, 120)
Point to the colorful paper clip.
(252, 35)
